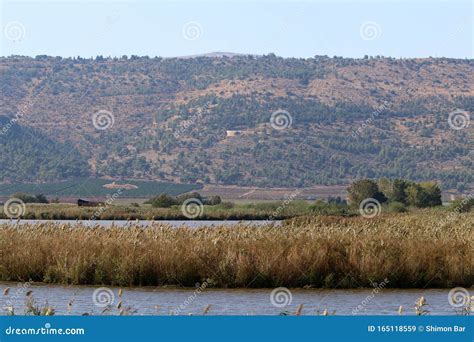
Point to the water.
(163, 301)
(123, 223)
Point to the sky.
(88, 28)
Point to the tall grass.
(253, 211)
(409, 250)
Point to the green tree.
(415, 195)
(386, 187)
(399, 188)
(363, 189)
(431, 193)
(427, 194)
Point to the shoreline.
(13, 284)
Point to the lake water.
(162, 301)
(123, 223)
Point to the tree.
(363, 189)
(431, 193)
(415, 195)
(399, 187)
(386, 187)
(422, 195)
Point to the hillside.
(350, 118)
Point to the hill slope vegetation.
(350, 118)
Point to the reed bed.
(258, 211)
(408, 250)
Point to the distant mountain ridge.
(167, 119)
(215, 54)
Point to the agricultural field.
(95, 187)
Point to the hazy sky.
(286, 28)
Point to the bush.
(166, 201)
(462, 205)
(163, 201)
(322, 208)
(27, 198)
(396, 207)
(214, 200)
(181, 198)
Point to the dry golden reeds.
(409, 250)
